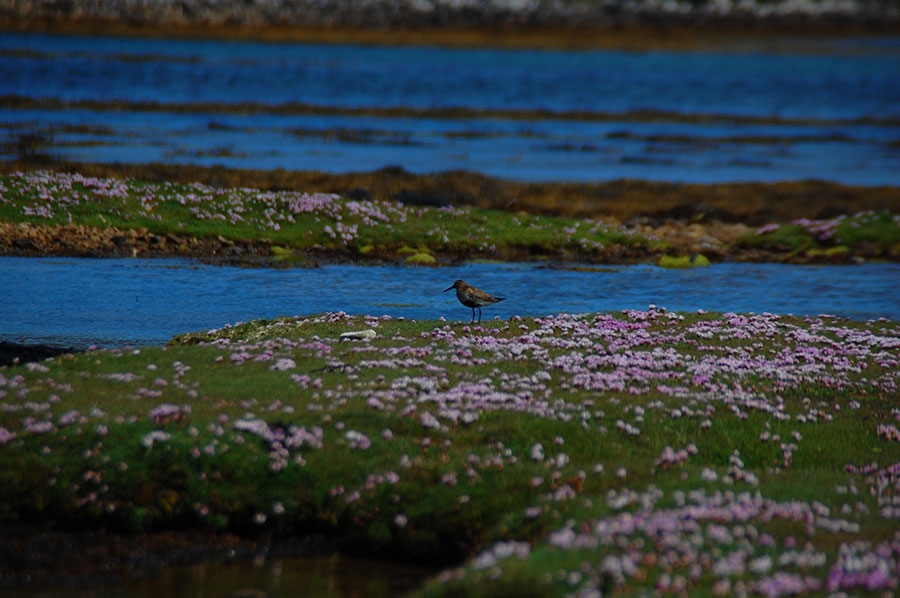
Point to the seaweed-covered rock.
(450, 13)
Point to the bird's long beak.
(445, 290)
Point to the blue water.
(117, 302)
(837, 85)
(802, 110)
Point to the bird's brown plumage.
(473, 297)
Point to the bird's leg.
(479, 315)
(473, 315)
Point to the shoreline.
(656, 35)
(12, 354)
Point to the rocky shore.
(452, 13)
(471, 22)
(72, 240)
(714, 240)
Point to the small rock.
(358, 335)
(121, 241)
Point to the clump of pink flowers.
(672, 458)
(169, 413)
(888, 432)
(860, 566)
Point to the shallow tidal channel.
(801, 109)
(79, 302)
(334, 575)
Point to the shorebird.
(472, 297)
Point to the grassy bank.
(287, 225)
(633, 451)
(754, 204)
(46, 212)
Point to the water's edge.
(78, 303)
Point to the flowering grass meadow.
(297, 222)
(641, 452)
(294, 223)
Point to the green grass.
(534, 427)
(877, 232)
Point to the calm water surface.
(765, 112)
(117, 302)
(839, 79)
(334, 576)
